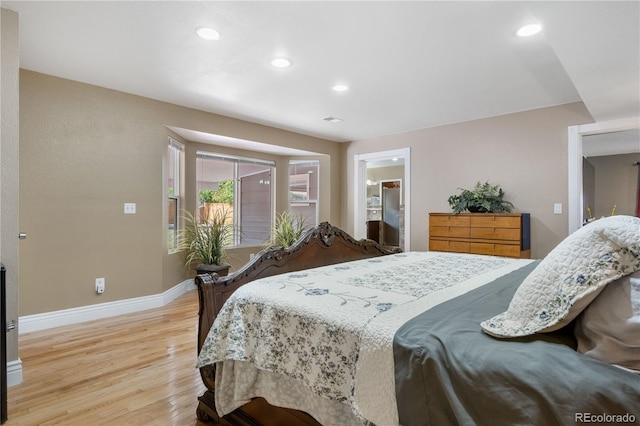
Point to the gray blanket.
(449, 372)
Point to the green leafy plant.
(205, 237)
(224, 193)
(484, 198)
(286, 230)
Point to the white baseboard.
(14, 372)
(37, 322)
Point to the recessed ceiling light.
(529, 30)
(208, 33)
(340, 88)
(281, 62)
(333, 119)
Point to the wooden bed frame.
(322, 245)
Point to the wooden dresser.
(497, 234)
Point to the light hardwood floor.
(134, 369)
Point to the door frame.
(360, 193)
(575, 156)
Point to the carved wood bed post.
(320, 246)
(206, 405)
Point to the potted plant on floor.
(286, 230)
(205, 238)
(483, 198)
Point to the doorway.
(576, 154)
(381, 199)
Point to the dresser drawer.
(510, 234)
(445, 220)
(491, 221)
(450, 246)
(449, 231)
(507, 250)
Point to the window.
(173, 191)
(243, 186)
(303, 190)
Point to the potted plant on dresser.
(205, 238)
(483, 198)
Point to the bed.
(339, 331)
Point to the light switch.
(557, 208)
(129, 208)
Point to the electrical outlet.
(557, 208)
(129, 208)
(99, 285)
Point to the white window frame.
(177, 148)
(236, 161)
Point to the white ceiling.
(409, 65)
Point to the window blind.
(233, 159)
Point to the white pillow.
(609, 328)
(570, 277)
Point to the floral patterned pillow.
(570, 277)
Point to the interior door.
(391, 213)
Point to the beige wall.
(385, 173)
(616, 183)
(84, 152)
(9, 168)
(525, 153)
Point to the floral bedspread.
(330, 329)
